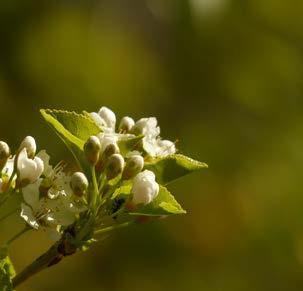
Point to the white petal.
(108, 116)
(141, 194)
(165, 147)
(48, 169)
(28, 216)
(21, 158)
(145, 188)
(61, 217)
(27, 170)
(39, 167)
(98, 120)
(31, 194)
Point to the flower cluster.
(48, 201)
(121, 178)
(153, 145)
(53, 200)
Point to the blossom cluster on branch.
(121, 177)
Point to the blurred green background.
(224, 77)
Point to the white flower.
(145, 189)
(148, 127)
(45, 213)
(105, 118)
(152, 143)
(55, 179)
(29, 170)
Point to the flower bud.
(126, 124)
(4, 154)
(133, 166)
(110, 150)
(30, 144)
(92, 150)
(79, 183)
(115, 165)
(28, 170)
(145, 189)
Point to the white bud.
(29, 170)
(4, 154)
(108, 116)
(30, 144)
(145, 189)
(115, 165)
(79, 183)
(133, 166)
(126, 124)
(92, 150)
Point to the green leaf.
(74, 129)
(170, 168)
(129, 144)
(163, 204)
(7, 271)
(71, 124)
(123, 190)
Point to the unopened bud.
(110, 150)
(4, 154)
(126, 124)
(92, 150)
(79, 183)
(145, 188)
(115, 166)
(133, 166)
(30, 144)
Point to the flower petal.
(31, 194)
(28, 216)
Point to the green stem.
(8, 214)
(110, 192)
(113, 227)
(102, 183)
(118, 212)
(11, 179)
(16, 236)
(95, 192)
